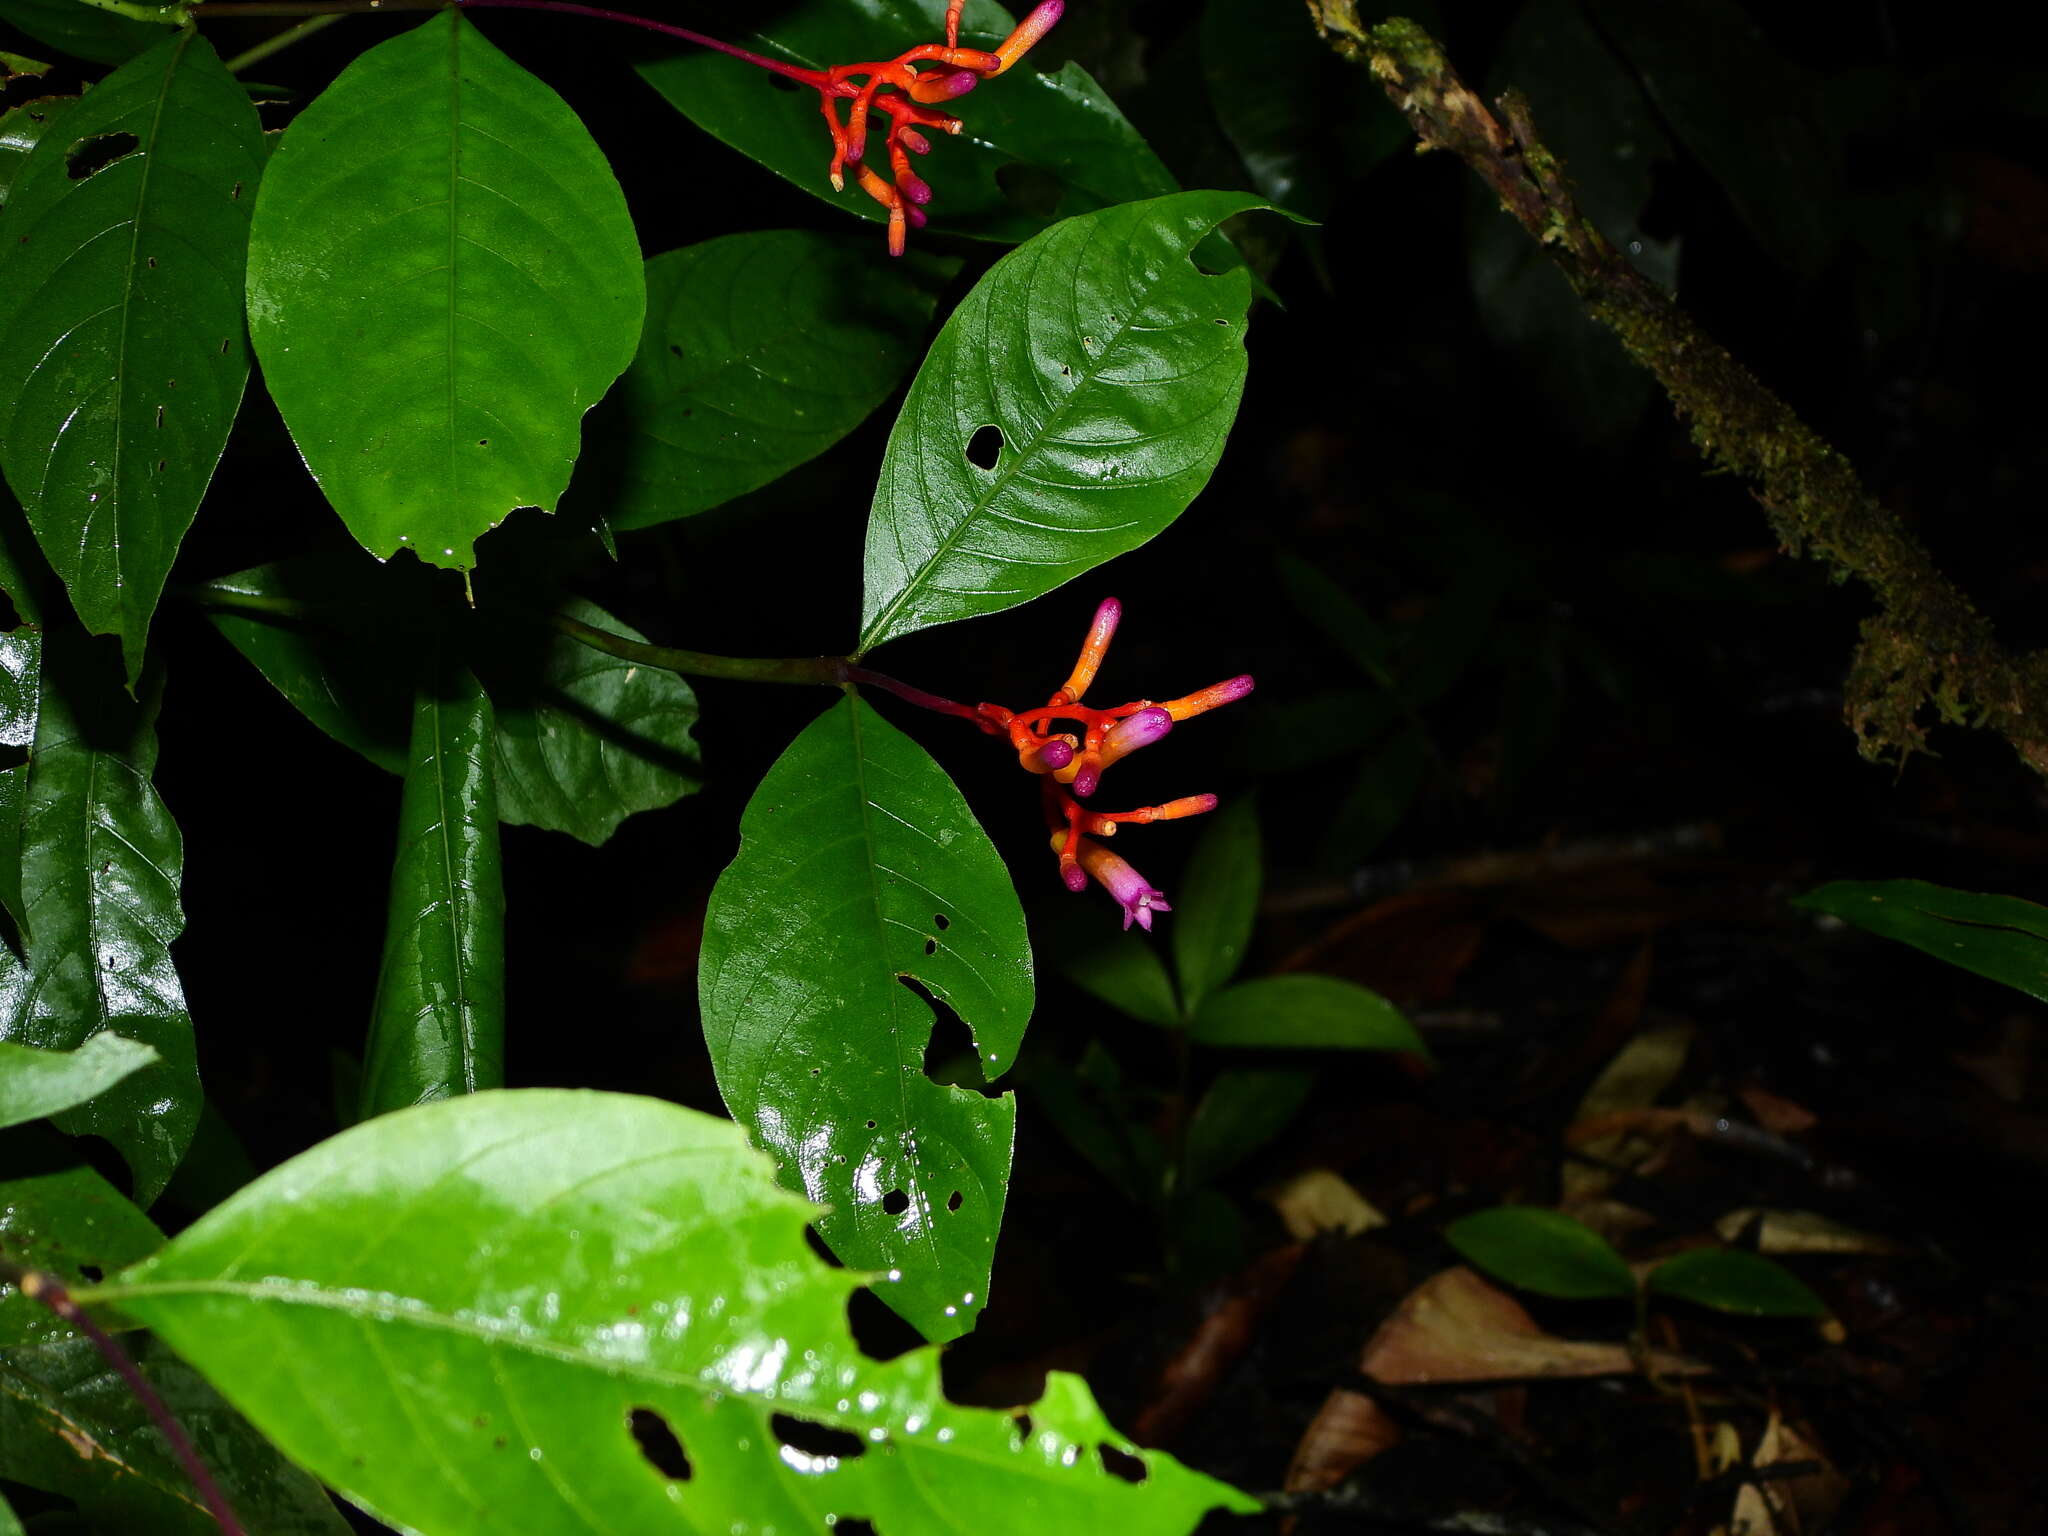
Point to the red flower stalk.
(908, 96)
(1070, 765)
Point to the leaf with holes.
(438, 1026)
(122, 353)
(1108, 365)
(72, 1224)
(101, 862)
(761, 351)
(860, 869)
(585, 739)
(1036, 147)
(394, 1309)
(442, 279)
(70, 1426)
(36, 1083)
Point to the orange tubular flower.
(1070, 764)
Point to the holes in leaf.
(848, 1525)
(91, 1272)
(950, 1056)
(871, 1125)
(985, 447)
(658, 1443)
(879, 1332)
(1121, 1464)
(88, 157)
(931, 946)
(953, 1201)
(895, 1203)
(1022, 1422)
(819, 1440)
(941, 921)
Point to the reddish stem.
(49, 1290)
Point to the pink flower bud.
(1139, 730)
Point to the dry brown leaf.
(1347, 1432)
(1752, 1515)
(1635, 1079)
(1775, 1113)
(1800, 1232)
(1219, 1341)
(1806, 1502)
(1320, 1200)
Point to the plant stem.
(281, 41)
(37, 1285)
(831, 671)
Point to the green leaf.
(442, 279)
(65, 1223)
(10, 1523)
(70, 1426)
(1303, 1012)
(585, 739)
(2000, 937)
(21, 128)
(761, 351)
(36, 1083)
(486, 1290)
(861, 867)
(101, 863)
(21, 666)
(87, 31)
(121, 339)
(1125, 971)
(1110, 365)
(1217, 903)
(1240, 1113)
(1036, 147)
(1542, 1250)
(320, 635)
(439, 1023)
(1736, 1280)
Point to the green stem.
(282, 41)
(829, 670)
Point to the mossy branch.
(1927, 644)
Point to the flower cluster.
(908, 96)
(1070, 765)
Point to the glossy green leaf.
(87, 31)
(470, 1300)
(438, 1027)
(320, 636)
(442, 280)
(2000, 937)
(21, 666)
(70, 1426)
(101, 863)
(1303, 1012)
(1542, 1250)
(1217, 903)
(761, 351)
(1110, 365)
(1736, 1280)
(72, 1224)
(21, 128)
(1242, 1111)
(37, 1083)
(1125, 971)
(122, 354)
(585, 739)
(1036, 147)
(861, 867)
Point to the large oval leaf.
(69, 1425)
(122, 353)
(439, 1023)
(2002, 937)
(1304, 1012)
(462, 1314)
(1035, 148)
(761, 351)
(860, 866)
(101, 861)
(1111, 367)
(442, 280)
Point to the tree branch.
(1927, 643)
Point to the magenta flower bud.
(913, 141)
(1133, 732)
(915, 214)
(1076, 879)
(952, 87)
(1087, 780)
(1138, 899)
(915, 188)
(1056, 754)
